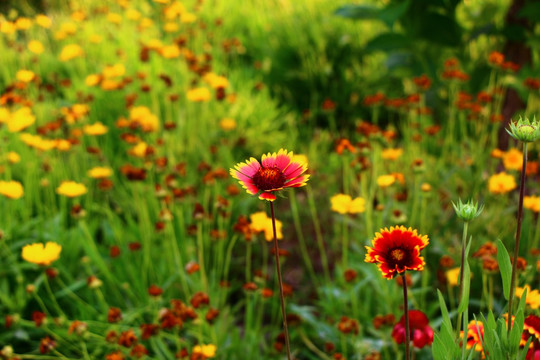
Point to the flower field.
(311, 179)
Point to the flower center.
(269, 178)
(397, 254)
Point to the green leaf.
(444, 310)
(531, 11)
(516, 332)
(505, 267)
(391, 13)
(438, 350)
(359, 12)
(439, 29)
(387, 41)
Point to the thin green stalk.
(406, 313)
(200, 254)
(318, 233)
(463, 247)
(281, 297)
(518, 235)
(301, 239)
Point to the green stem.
(302, 240)
(463, 247)
(406, 313)
(518, 236)
(281, 297)
(318, 234)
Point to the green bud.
(467, 211)
(524, 130)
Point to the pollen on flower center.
(269, 178)
(397, 254)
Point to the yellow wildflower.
(207, 351)
(21, 119)
(425, 187)
(13, 157)
(23, 23)
(7, 27)
(344, 204)
(100, 172)
(113, 71)
(386, 180)
(71, 189)
(36, 47)
(43, 21)
(70, 51)
(452, 276)
(4, 115)
(41, 255)
(114, 18)
(11, 189)
(533, 296)
(199, 94)
(260, 222)
(170, 51)
(92, 79)
(38, 142)
(216, 81)
(227, 124)
(513, 159)
(532, 203)
(133, 14)
(95, 129)
(139, 150)
(95, 38)
(188, 18)
(171, 27)
(142, 116)
(25, 75)
(501, 183)
(391, 154)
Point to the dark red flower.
(396, 250)
(421, 332)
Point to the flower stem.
(281, 297)
(406, 313)
(518, 236)
(463, 247)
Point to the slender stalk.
(518, 236)
(463, 247)
(280, 281)
(406, 313)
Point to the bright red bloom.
(532, 328)
(397, 250)
(275, 172)
(421, 332)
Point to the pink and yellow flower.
(275, 172)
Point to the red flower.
(421, 332)
(475, 336)
(275, 172)
(397, 250)
(532, 328)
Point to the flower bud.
(467, 211)
(525, 130)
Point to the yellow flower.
(21, 119)
(71, 189)
(208, 351)
(452, 276)
(425, 187)
(114, 18)
(70, 51)
(344, 204)
(25, 75)
(533, 297)
(391, 154)
(7, 27)
(4, 115)
(95, 38)
(133, 14)
(199, 94)
(216, 81)
(11, 189)
(43, 21)
(171, 27)
(227, 124)
(95, 129)
(100, 172)
(170, 51)
(145, 23)
(41, 255)
(142, 116)
(532, 203)
(386, 180)
(139, 150)
(37, 142)
(188, 18)
(23, 23)
(260, 222)
(92, 79)
(513, 159)
(501, 183)
(113, 71)
(36, 47)
(13, 157)
(63, 145)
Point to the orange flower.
(396, 250)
